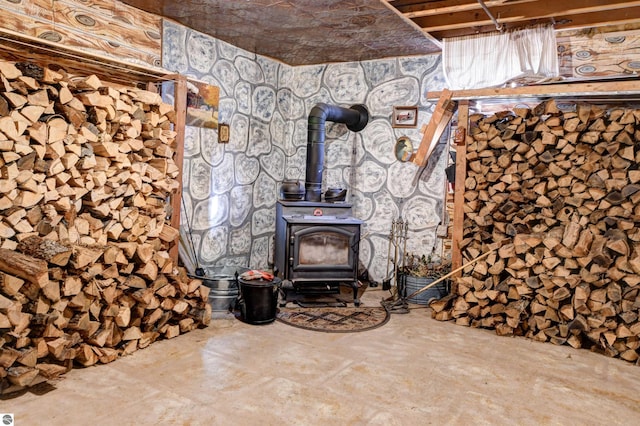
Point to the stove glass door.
(324, 252)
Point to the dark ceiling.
(303, 32)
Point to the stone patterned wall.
(230, 190)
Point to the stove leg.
(356, 301)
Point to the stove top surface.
(334, 219)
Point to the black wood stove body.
(317, 247)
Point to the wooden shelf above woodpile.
(616, 88)
(19, 47)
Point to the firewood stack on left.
(86, 169)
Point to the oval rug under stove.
(334, 319)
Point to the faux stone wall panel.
(269, 69)
(174, 55)
(229, 51)
(379, 140)
(186, 174)
(249, 69)
(247, 169)
(362, 205)
(222, 179)
(228, 107)
(202, 52)
(338, 153)
(403, 91)
(280, 130)
(241, 204)
(226, 74)
(213, 211)
(333, 179)
(240, 240)
(378, 260)
(263, 221)
(296, 165)
(420, 211)
(267, 106)
(303, 81)
(300, 133)
(259, 139)
(260, 253)
(321, 96)
(238, 134)
(337, 131)
(420, 66)
(273, 164)
(242, 96)
(264, 102)
(365, 252)
(186, 210)
(371, 176)
(377, 72)
(264, 191)
(214, 244)
(346, 82)
(434, 82)
(290, 105)
(400, 177)
(200, 179)
(417, 241)
(386, 210)
(212, 151)
(191, 141)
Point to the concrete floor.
(412, 371)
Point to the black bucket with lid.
(258, 300)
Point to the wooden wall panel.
(27, 25)
(108, 27)
(37, 9)
(600, 55)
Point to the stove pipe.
(356, 118)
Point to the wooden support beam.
(181, 118)
(439, 121)
(461, 174)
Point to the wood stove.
(317, 247)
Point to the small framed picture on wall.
(405, 116)
(223, 133)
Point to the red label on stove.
(317, 212)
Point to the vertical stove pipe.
(356, 118)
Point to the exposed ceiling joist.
(450, 18)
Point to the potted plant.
(419, 271)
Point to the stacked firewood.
(554, 196)
(86, 171)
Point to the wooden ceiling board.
(301, 32)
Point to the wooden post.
(180, 101)
(461, 175)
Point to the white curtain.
(494, 59)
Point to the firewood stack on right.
(561, 186)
